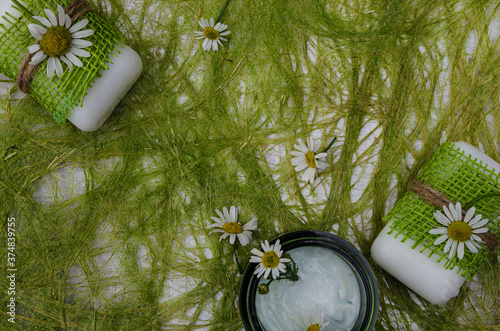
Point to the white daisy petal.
(243, 239)
(453, 249)
(51, 67)
(448, 245)
(225, 33)
(470, 245)
(76, 61)
(82, 34)
(255, 251)
(216, 220)
(61, 15)
(448, 213)
(299, 160)
(460, 250)
(205, 44)
(309, 175)
(78, 26)
(252, 225)
(441, 239)
(233, 213)
(215, 46)
(79, 52)
(226, 214)
(58, 66)
(81, 43)
(476, 237)
(68, 62)
(320, 155)
(475, 219)
(458, 211)
(441, 218)
(469, 215)
(480, 230)
(298, 154)
(52, 17)
(438, 231)
(277, 246)
(479, 224)
(305, 149)
(38, 58)
(43, 20)
(265, 246)
(310, 143)
(68, 22)
(301, 167)
(216, 27)
(34, 48)
(36, 31)
(211, 22)
(221, 215)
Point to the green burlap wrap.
(461, 179)
(59, 95)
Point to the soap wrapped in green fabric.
(461, 179)
(60, 95)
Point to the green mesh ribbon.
(461, 179)
(59, 95)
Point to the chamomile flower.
(306, 159)
(228, 225)
(270, 260)
(458, 232)
(213, 34)
(314, 321)
(59, 40)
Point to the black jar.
(365, 277)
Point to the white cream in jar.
(326, 282)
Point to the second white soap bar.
(424, 275)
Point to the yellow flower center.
(459, 231)
(232, 228)
(310, 160)
(56, 42)
(314, 327)
(211, 33)
(270, 260)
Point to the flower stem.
(237, 262)
(470, 204)
(329, 145)
(22, 8)
(222, 11)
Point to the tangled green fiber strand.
(111, 225)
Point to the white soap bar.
(107, 91)
(422, 274)
(6, 6)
